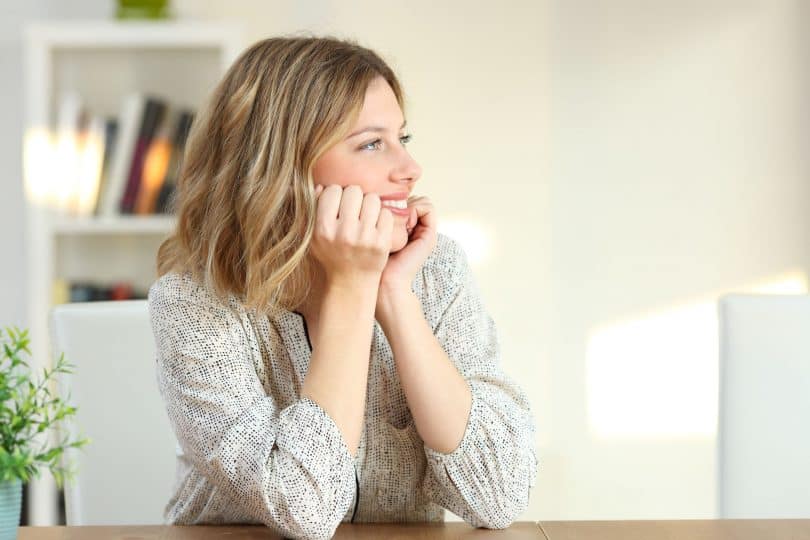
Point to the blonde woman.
(323, 354)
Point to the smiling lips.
(397, 203)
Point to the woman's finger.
(329, 203)
(370, 211)
(421, 206)
(350, 203)
(419, 202)
(412, 218)
(426, 214)
(385, 222)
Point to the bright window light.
(656, 376)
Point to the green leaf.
(28, 410)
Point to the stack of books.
(142, 151)
(88, 291)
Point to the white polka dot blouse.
(251, 450)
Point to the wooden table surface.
(736, 529)
(422, 531)
(711, 529)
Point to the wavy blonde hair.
(245, 197)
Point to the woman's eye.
(374, 145)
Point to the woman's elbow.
(503, 512)
(311, 526)
(498, 520)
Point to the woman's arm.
(351, 242)
(340, 356)
(288, 468)
(438, 396)
(485, 478)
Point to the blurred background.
(611, 168)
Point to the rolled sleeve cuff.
(313, 439)
(439, 460)
(484, 480)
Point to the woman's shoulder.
(176, 287)
(446, 266)
(448, 256)
(185, 288)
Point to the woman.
(323, 353)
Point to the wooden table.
(732, 529)
(713, 529)
(422, 531)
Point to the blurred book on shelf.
(161, 164)
(121, 165)
(153, 112)
(65, 291)
(77, 157)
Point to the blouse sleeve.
(486, 480)
(288, 468)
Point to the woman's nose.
(408, 170)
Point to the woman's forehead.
(380, 108)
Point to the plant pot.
(142, 9)
(10, 507)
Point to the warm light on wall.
(475, 237)
(656, 376)
(62, 172)
(793, 282)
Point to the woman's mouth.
(397, 207)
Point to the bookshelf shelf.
(104, 63)
(133, 34)
(161, 225)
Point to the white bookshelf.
(102, 61)
(146, 225)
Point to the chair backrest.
(125, 475)
(764, 409)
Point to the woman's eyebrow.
(377, 129)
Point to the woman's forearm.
(437, 394)
(338, 370)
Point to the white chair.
(125, 475)
(764, 414)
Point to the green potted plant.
(142, 9)
(29, 410)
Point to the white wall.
(679, 172)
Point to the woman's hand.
(352, 234)
(402, 266)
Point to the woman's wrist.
(395, 302)
(356, 294)
(357, 283)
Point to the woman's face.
(373, 156)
